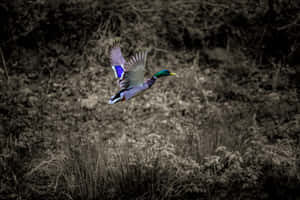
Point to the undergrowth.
(227, 127)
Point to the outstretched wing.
(135, 69)
(117, 60)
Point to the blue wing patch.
(119, 71)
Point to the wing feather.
(135, 69)
(117, 60)
(116, 57)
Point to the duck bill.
(172, 74)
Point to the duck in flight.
(130, 74)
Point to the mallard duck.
(130, 74)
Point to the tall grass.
(150, 168)
(145, 169)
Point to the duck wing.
(135, 69)
(117, 60)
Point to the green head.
(164, 72)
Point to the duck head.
(164, 72)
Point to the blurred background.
(226, 127)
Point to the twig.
(294, 23)
(207, 3)
(159, 49)
(45, 162)
(4, 65)
(67, 195)
(214, 4)
(287, 26)
(213, 26)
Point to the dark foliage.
(227, 128)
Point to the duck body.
(131, 74)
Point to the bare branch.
(294, 23)
(4, 65)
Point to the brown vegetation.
(227, 127)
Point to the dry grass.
(224, 128)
